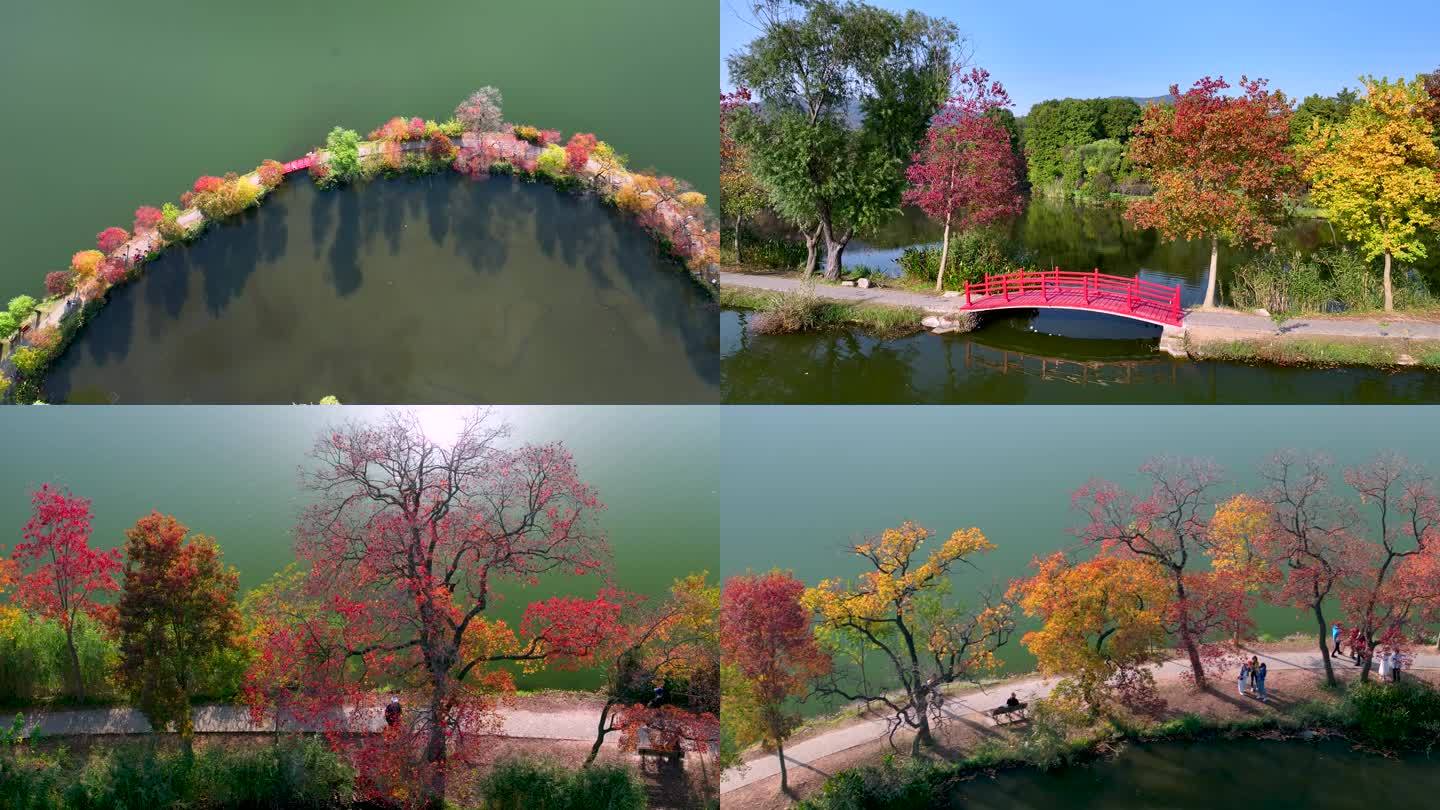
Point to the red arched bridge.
(1092, 292)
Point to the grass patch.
(804, 311)
(1304, 352)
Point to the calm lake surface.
(232, 473)
(415, 290)
(1215, 773)
(1009, 360)
(1047, 356)
(800, 484)
(126, 104)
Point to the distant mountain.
(1145, 100)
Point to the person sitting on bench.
(1013, 703)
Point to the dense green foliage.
(1076, 146)
(1325, 281)
(972, 255)
(1396, 716)
(529, 785)
(293, 773)
(343, 146)
(1326, 110)
(817, 166)
(33, 654)
(760, 251)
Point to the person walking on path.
(1335, 637)
(1260, 682)
(1244, 676)
(1355, 640)
(1254, 671)
(1385, 659)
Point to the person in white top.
(1385, 666)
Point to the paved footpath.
(974, 703)
(566, 724)
(1211, 323)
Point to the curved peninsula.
(474, 145)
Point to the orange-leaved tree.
(1104, 623)
(1220, 165)
(1170, 527)
(900, 611)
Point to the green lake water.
(232, 473)
(1209, 774)
(800, 484)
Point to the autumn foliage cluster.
(1175, 566)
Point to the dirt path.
(874, 295)
(538, 717)
(968, 709)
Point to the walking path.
(1212, 324)
(973, 704)
(552, 724)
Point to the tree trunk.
(784, 777)
(1365, 663)
(834, 247)
(1197, 668)
(435, 755)
(600, 732)
(1325, 647)
(1214, 271)
(944, 255)
(922, 731)
(811, 254)
(77, 679)
(1389, 291)
(737, 240)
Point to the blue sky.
(1041, 50)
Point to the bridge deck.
(1112, 303)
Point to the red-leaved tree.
(60, 573)
(765, 635)
(1310, 540)
(405, 543)
(110, 239)
(577, 151)
(1398, 585)
(1170, 526)
(965, 173)
(1221, 166)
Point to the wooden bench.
(1008, 713)
(647, 749)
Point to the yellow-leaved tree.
(900, 613)
(1376, 174)
(1104, 623)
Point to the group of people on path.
(1252, 674)
(1390, 661)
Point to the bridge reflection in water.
(1081, 372)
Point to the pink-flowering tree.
(1400, 570)
(965, 173)
(147, 217)
(480, 111)
(60, 282)
(60, 573)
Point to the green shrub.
(30, 360)
(973, 254)
(5, 383)
(524, 784)
(552, 162)
(8, 325)
(1299, 284)
(295, 773)
(778, 254)
(914, 783)
(34, 659)
(1396, 716)
(527, 133)
(22, 307)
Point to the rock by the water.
(863, 283)
(847, 284)
(930, 321)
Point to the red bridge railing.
(1147, 300)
